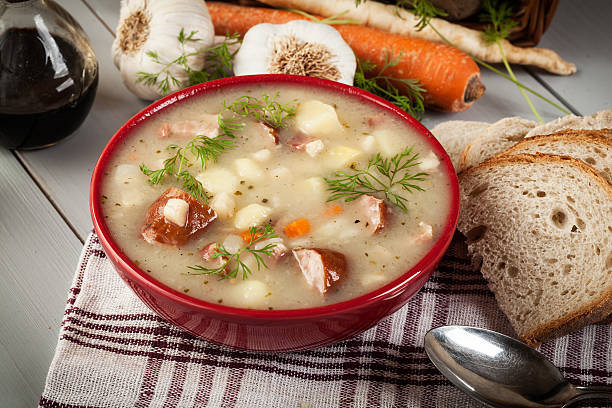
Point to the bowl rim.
(389, 290)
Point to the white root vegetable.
(154, 26)
(399, 21)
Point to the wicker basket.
(533, 18)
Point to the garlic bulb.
(154, 26)
(299, 48)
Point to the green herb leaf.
(411, 98)
(266, 109)
(499, 14)
(382, 175)
(217, 64)
(257, 234)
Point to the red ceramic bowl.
(275, 330)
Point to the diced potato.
(424, 233)
(315, 147)
(342, 156)
(126, 173)
(176, 210)
(316, 185)
(339, 230)
(250, 293)
(218, 180)
(429, 162)
(389, 143)
(317, 119)
(224, 205)
(233, 243)
(251, 216)
(262, 155)
(368, 144)
(248, 169)
(129, 197)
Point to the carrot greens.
(256, 235)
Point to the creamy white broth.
(290, 183)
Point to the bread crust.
(585, 136)
(596, 310)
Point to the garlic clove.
(299, 48)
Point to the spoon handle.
(596, 391)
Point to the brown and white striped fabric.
(114, 352)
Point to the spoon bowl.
(501, 371)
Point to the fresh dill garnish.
(257, 235)
(217, 64)
(204, 149)
(266, 109)
(382, 175)
(411, 99)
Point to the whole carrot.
(450, 77)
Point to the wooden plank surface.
(582, 33)
(65, 170)
(39, 254)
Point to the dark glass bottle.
(48, 74)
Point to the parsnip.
(399, 21)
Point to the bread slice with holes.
(496, 139)
(599, 120)
(455, 135)
(541, 225)
(590, 146)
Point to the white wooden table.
(44, 213)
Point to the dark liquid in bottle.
(43, 96)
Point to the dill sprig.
(204, 149)
(382, 175)
(218, 64)
(385, 86)
(266, 109)
(257, 234)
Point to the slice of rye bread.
(599, 120)
(455, 135)
(586, 145)
(542, 227)
(496, 139)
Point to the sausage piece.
(157, 228)
(322, 268)
(375, 212)
(308, 144)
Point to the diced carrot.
(246, 236)
(332, 210)
(298, 227)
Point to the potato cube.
(429, 162)
(126, 173)
(251, 216)
(368, 144)
(250, 293)
(248, 169)
(176, 210)
(317, 119)
(224, 205)
(262, 155)
(342, 156)
(218, 180)
(389, 143)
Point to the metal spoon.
(501, 371)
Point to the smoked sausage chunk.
(375, 211)
(322, 268)
(170, 221)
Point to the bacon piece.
(164, 130)
(322, 268)
(271, 133)
(375, 211)
(278, 251)
(207, 126)
(309, 144)
(375, 120)
(208, 255)
(157, 229)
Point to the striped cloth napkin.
(114, 352)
